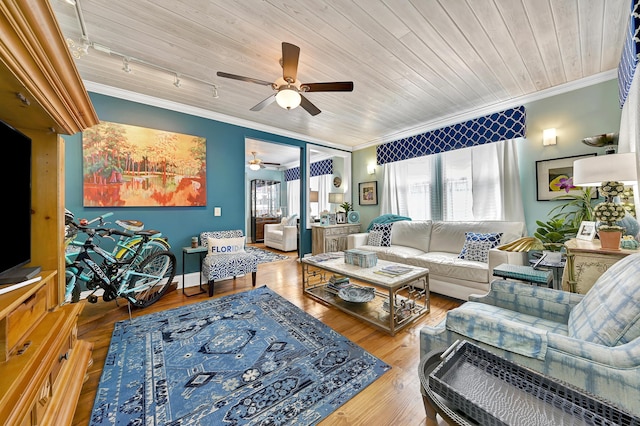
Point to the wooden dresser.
(586, 261)
(327, 238)
(42, 364)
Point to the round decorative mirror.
(337, 181)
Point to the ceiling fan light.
(288, 98)
(254, 166)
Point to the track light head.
(177, 81)
(125, 65)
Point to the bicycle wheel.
(152, 278)
(154, 245)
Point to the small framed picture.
(368, 193)
(332, 218)
(587, 230)
(341, 217)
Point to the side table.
(557, 269)
(523, 273)
(200, 250)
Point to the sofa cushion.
(414, 234)
(273, 233)
(476, 246)
(385, 229)
(609, 314)
(450, 236)
(503, 328)
(450, 265)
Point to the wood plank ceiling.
(412, 62)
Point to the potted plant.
(346, 206)
(608, 214)
(576, 208)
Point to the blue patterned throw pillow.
(476, 246)
(385, 228)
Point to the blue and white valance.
(503, 125)
(324, 167)
(630, 51)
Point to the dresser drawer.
(24, 317)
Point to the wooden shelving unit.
(42, 364)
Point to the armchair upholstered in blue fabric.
(226, 265)
(591, 341)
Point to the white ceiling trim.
(489, 109)
(200, 112)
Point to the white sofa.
(280, 236)
(436, 245)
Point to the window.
(465, 184)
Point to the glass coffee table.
(389, 303)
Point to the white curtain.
(323, 185)
(293, 197)
(479, 183)
(629, 136)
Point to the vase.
(610, 240)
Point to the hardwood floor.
(393, 399)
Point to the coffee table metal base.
(397, 303)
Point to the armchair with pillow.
(226, 257)
(590, 341)
(282, 236)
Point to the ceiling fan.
(257, 164)
(288, 89)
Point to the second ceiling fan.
(288, 89)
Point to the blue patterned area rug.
(248, 358)
(265, 256)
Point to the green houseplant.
(346, 206)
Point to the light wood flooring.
(393, 399)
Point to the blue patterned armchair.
(226, 257)
(591, 341)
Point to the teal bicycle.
(141, 274)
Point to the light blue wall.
(577, 114)
(225, 173)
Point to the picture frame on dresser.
(368, 193)
(587, 230)
(341, 217)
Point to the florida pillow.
(476, 245)
(385, 229)
(218, 246)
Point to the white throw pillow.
(225, 245)
(375, 238)
(291, 220)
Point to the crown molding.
(491, 108)
(128, 95)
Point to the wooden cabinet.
(42, 364)
(265, 204)
(586, 261)
(331, 237)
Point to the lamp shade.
(593, 171)
(336, 197)
(313, 196)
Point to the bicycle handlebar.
(100, 218)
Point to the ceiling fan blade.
(264, 103)
(308, 106)
(290, 56)
(270, 164)
(241, 78)
(338, 86)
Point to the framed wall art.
(368, 193)
(555, 177)
(130, 166)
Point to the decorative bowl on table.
(357, 294)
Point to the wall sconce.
(549, 137)
(371, 169)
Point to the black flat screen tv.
(15, 188)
